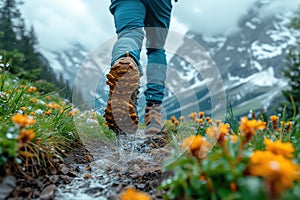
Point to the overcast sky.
(60, 23)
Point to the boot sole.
(123, 81)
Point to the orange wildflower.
(218, 122)
(176, 122)
(202, 178)
(201, 114)
(71, 114)
(274, 119)
(234, 138)
(26, 135)
(279, 148)
(219, 133)
(173, 118)
(193, 116)
(53, 106)
(197, 145)
(22, 120)
(133, 194)
(278, 172)
(181, 118)
(31, 89)
(33, 100)
(23, 108)
(249, 127)
(200, 121)
(233, 186)
(48, 112)
(288, 126)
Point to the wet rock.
(54, 179)
(60, 166)
(85, 185)
(102, 165)
(66, 179)
(27, 189)
(93, 191)
(36, 193)
(48, 192)
(72, 174)
(119, 188)
(64, 170)
(136, 167)
(53, 170)
(7, 185)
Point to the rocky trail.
(133, 162)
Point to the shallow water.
(130, 163)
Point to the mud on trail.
(131, 162)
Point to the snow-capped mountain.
(250, 62)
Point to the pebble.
(88, 176)
(48, 192)
(7, 186)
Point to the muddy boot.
(154, 126)
(123, 80)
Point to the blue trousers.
(130, 17)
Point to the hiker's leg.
(129, 16)
(156, 25)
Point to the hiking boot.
(153, 120)
(154, 126)
(123, 80)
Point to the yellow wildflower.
(278, 172)
(22, 120)
(279, 148)
(133, 194)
